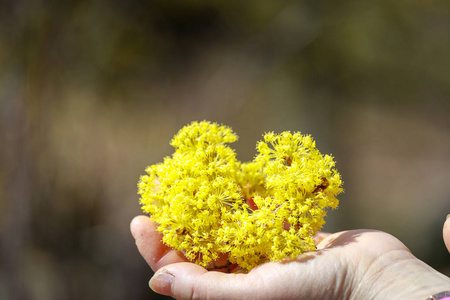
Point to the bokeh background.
(91, 92)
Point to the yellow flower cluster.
(208, 204)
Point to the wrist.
(400, 275)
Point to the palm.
(346, 265)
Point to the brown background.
(91, 92)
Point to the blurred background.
(91, 92)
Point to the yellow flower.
(208, 204)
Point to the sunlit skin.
(446, 233)
(355, 264)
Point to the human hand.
(356, 264)
(446, 233)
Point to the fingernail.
(448, 216)
(161, 283)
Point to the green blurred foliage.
(91, 92)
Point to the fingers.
(191, 281)
(303, 278)
(319, 237)
(150, 245)
(176, 277)
(184, 280)
(446, 233)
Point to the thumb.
(190, 281)
(291, 279)
(446, 232)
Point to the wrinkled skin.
(355, 264)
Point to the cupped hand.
(356, 264)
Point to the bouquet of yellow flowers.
(209, 205)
